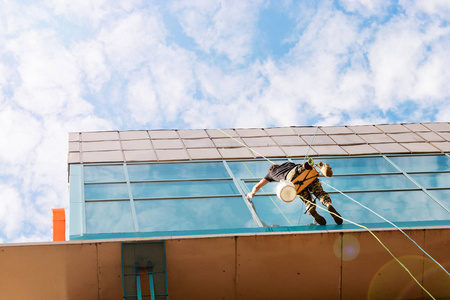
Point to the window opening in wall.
(144, 274)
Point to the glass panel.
(274, 212)
(113, 173)
(419, 163)
(193, 214)
(268, 188)
(105, 191)
(368, 182)
(250, 169)
(108, 217)
(180, 189)
(443, 196)
(177, 171)
(433, 180)
(394, 206)
(359, 165)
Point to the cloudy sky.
(89, 65)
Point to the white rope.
(383, 218)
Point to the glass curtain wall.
(197, 197)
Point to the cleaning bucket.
(286, 191)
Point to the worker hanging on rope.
(305, 179)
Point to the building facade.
(162, 214)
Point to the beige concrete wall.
(333, 265)
(61, 271)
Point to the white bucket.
(286, 191)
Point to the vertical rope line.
(246, 146)
(310, 144)
(381, 243)
(386, 220)
(362, 226)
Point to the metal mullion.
(429, 172)
(111, 182)
(376, 191)
(249, 206)
(130, 194)
(83, 208)
(188, 197)
(101, 200)
(180, 180)
(416, 183)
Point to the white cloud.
(20, 133)
(142, 102)
(440, 8)
(366, 7)
(16, 17)
(227, 27)
(409, 62)
(11, 211)
(91, 60)
(130, 40)
(49, 75)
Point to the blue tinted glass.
(358, 165)
(443, 196)
(113, 173)
(419, 163)
(183, 188)
(268, 188)
(432, 180)
(394, 206)
(108, 217)
(368, 182)
(106, 191)
(274, 212)
(177, 171)
(193, 214)
(250, 169)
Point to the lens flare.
(346, 247)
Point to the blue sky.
(90, 65)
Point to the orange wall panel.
(202, 268)
(288, 267)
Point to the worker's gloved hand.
(325, 169)
(307, 166)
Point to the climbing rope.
(378, 215)
(379, 241)
(259, 154)
(349, 221)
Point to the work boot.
(318, 218)
(336, 216)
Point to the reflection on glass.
(183, 188)
(394, 206)
(193, 214)
(433, 180)
(274, 212)
(250, 169)
(268, 188)
(109, 217)
(417, 163)
(177, 171)
(369, 182)
(105, 191)
(357, 165)
(113, 173)
(443, 196)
